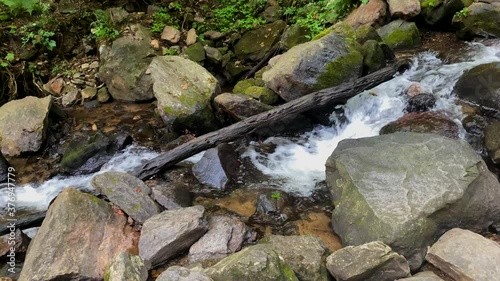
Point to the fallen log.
(329, 96)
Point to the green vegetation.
(18, 6)
(102, 27)
(43, 39)
(462, 13)
(430, 3)
(7, 59)
(317, 15)
(232, 15)
(276, 195)
(163, 18)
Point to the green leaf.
(4, 64)
(10, 57)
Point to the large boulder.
(425, 122)
(184, 89)
(79, 237)
(326, 62)
(373, 57)
(258, 262)
(479, 19)
(400, 35)
(373, 13)
(23, 125)
(406, 189)
(255, 44)
(123, 66)
(167, 234)
(440, 12)
(404, 9)
(305, 254)
(373, 261)
(225, 236)
(423, 276)
(127, 192)
(465, 255)
(480, 86)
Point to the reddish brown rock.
(426, 122)
(374, 13)
(414, 90)
(404, 9)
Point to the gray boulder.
(23, 125)
(326, 62)
(293, 36)
(400, 35)
(404, 9)
(306, 255)
(465, 255)
(123, 66)
(177, 273)
(126, 267)
(218, 167)
(167, 234)
(225, 236)
(255, 44)
(405, 189)
(492, 141)
(373, 261)
(184, 89)
(127, 192)
(79, 237)
(480, 85)
(479, 19)
(258, 262)
(423, 276)
(373, 56)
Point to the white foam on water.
(38, 197)
(297, 166)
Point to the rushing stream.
(297, 164)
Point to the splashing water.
(298, 166)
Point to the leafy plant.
(462, 13)
(162, 18)
(18, 6)
(41, 39)
(102, 28)
(276, 195)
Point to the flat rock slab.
(404, 189)
(23, 124)
(465, 255)
(305, 254)
(127, 192)
(79, 237)
(258, 262)
(225, 236)
(373, 261)
(167, 234)
(127, 267)
(177, 273)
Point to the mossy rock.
(294, 35)
(373, 57)
(479, 19)
(365, 33)
(81, 149)
(242, 85)
(196, 52)
(255, 44)
(400, 35)
(439, 12)
(263, 94)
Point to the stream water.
(297, 164)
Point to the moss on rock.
(340, 70)
(400, 35)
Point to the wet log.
(269, 119)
